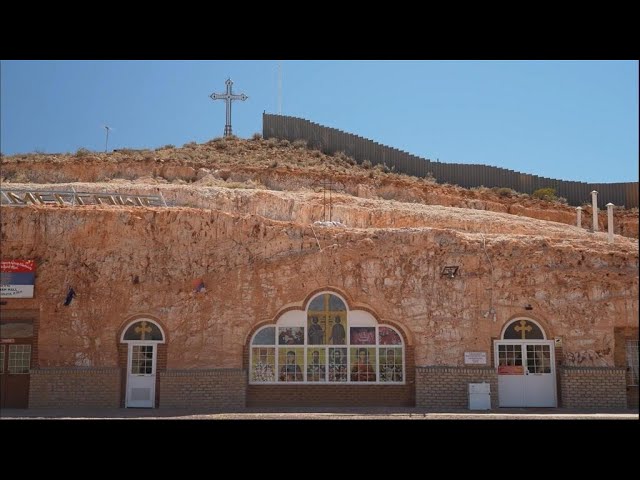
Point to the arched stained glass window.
(523, 329)
(327, 343)
(143, 330)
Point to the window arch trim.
(148, 320)
(517, 319)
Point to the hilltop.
(201, 175)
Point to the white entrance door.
(141, 377)
(526, 373)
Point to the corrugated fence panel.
(330, 140)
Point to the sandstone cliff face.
(258, 250)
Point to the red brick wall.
(621, 335)
(447, 387)
(219, 388)
(306, 395)
(593, 387)
(632, 397)
(74, 387)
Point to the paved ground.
(338, 413)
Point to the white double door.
(141, 375)
(526, 373)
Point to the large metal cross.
(228, 98)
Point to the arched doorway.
(142, 337)
(525, 360)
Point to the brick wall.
(633, 399)
(593, 387)
(350, 395)
(216, 388)
(447, 387)
(74, 387)
(621, 335)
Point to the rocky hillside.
(188, 176)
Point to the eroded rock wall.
(578, 286)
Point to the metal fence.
(331, 140)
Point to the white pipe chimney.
(579, 219)
(610, 221)
(594, 204)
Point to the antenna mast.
(279, 88)
(106, 142)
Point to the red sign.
(17, 266)
(510, 370)
(17, 278)
(7, 340)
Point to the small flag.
(198, 286)
(70, 294)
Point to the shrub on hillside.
(82, 152)
(548, 194)
(504, 192)
(382, 167)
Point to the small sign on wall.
(17, 278)
(475, 358)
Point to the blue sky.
(573, 120)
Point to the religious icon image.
(327, 320)
(362, 362)
(315, 330)
(316, 365)
(391, 365)
(291, 335)
(337, 364)
(338, 334)
(388, 336)
(290, 360)
(263, 368)
(363, 335)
